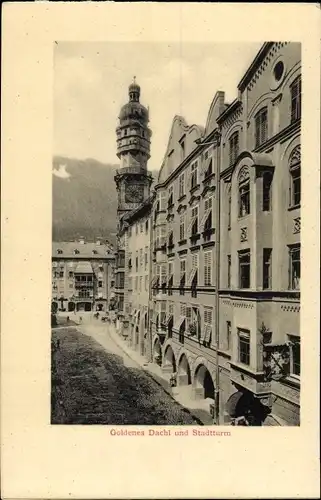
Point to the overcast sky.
(91, 84)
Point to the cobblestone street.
(98, 383)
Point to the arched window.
(244, 192)
(296, 99)
(295, 177)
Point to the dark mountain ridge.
(84, 199)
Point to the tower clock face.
(134, 193)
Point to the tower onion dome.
(134, 110)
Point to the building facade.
(225, 248)
(82, 276)
(133, 183)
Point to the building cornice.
(254, 66)
(260, 295)
(229, 110)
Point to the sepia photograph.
(176, 184)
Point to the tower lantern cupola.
(133, 181)
(134, 91)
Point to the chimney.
(82, 240)
(98, 241)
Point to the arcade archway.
(203, 382)
(169, 360)
(184, 371)
(71, 306)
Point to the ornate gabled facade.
(224, 296)
(82, 275)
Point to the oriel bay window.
(244, 346)
(233, 148)
(261, 127)
(295, 268)
(296, 100)
(244, 269)
(244, 192)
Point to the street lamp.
(216, 142)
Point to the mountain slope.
(84, 199)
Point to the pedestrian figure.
(80, 319)
(67, 319)
(173, 380)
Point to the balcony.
(84, 284)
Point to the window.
(100, 284)
(146, 257)
(181, 185)
(170, 277)
(141, 227)
(267, 191)
(136, 283)
(170, 238)
(267, 268)
(136, 228)
(121, 280)
(295, 177)
(229, 210)
(71, 274)
(140, 283)
(261, 127)
(192, 278)
(194, 179)
(208, 268)
(141, 257)
(296, 100)
(206, 222)
(146, 283)
(182, 143)
(228, 271)
(193, 226)
(182, 227)
(182, 276)
(228, 335)
(244, 192)
(162, 200)
(163, 277)
(244, 269)
(170, 200)
(295, 268)
(136, 261)
(295, 356)
(208, 322)
(233, 148)
(146, 226)
(244, 346)
(59, 251)
(61, 274)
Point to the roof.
(255, 64)
(84, 250)
(84, 267)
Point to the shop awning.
(179, 323)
